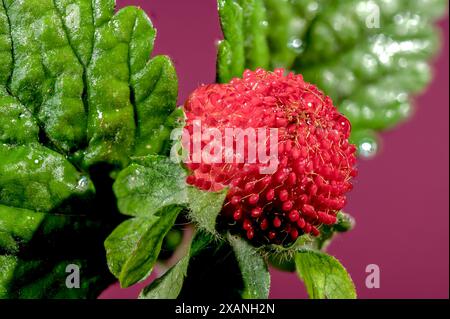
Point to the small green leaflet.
(133, 247)
(205, 206)
(149, 184)
(169, 285)
(255, 273)
(324, 276)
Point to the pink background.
(400, 199)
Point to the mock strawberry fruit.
(279, 145)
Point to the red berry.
(287, 206)
(303, 199)
(314, 231)
(237, 214)
(220, 178)
(301, 222)
(292, 179)
(307, 228)
(256, 212)
(326, 218)
(206, 185)
(279, 177)
(276, 222)
(235, 200)
(295, 153)
(205, 168)
(313, 190)
(309, 211)
(249, 187)
(253, 199)
(264, 224)
(293, 215)
(199, 183)
(293, 233)
(332, 220)
(270, 195)
(247, 224)
(190, 180)
(315, 159)
(283, 195)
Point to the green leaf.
(169, 285)
(153, 190)
(205, 207)
(133, 247)
(254, 269)
(369, 70)
(79, 97)
(149, 184)
(324, 276)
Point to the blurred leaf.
(369, 56)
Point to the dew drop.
(82, 182)
(367, 148)
(296, 45)
(313, 6)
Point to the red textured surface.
(307, 186)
